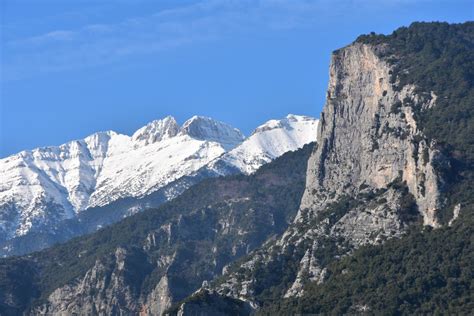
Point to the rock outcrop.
(277, 237)
(370, 177)
(368, 136)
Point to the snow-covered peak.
(269, 141)
(285, 123)
(41, 187)
(156, 131)
(98, 143)
(205, 128)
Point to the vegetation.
(427, 272)
(273, 277)
(260, 205)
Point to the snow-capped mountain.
(267, 142)
(42, 187)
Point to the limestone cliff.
(371, 176)
(395, 159)
(369, 136)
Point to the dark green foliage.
(273, 277)
(335, 211)
(396, 106)
(408, 208)
(18, 276)
(427, 272)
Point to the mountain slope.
(384, 225)
(53, 194)
(154, 258)
(266, 143)
(385, 166)
(428, 271)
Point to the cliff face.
(369, 142)
(103, 290)
(394, 150)
(369, 137)
(370, 177)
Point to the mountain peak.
(285, 123)
(294, 117)
(268, 141)
(99, 137)
(156, 130)
(206, 128)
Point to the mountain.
(52, 194)
(385, 223)
(375, 218)
(267, 142)
(157, 257)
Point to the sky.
(72, 68)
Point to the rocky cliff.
(366, 181)
(369, 136)
(370, 144)
(374, 173)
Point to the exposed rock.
(156, 131)
(210, 303)
(456, 212)
(158, 300)
(364, 141)
(102, 291)
(371, 175)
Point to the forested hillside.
(429, 271)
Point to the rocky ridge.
(372, 175)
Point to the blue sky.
(71, 68)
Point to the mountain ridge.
(228, 217)
(375, 218)
(46, 186)
(385, 223)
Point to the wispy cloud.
(98, 44)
